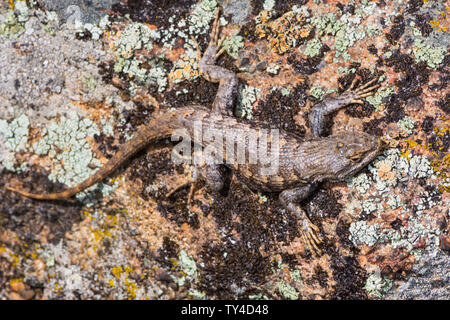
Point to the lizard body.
(302, 163)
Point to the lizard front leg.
(329, 104)
(227, 92)
(308, 230)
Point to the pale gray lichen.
(273, 69)
(135, 36)
(13, 137)
(360, 182)
(387, 171)
(406, 125)
(361, 232)
(313, 47)
(188, 268)
(268, 4)
(432, 55)
(201, 16)
(317, 92)
(346, 29)
(65, 143)
(377, 99)
(15, 133)
(377, 285)
(247, 96)
(233, 44)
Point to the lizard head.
(349, 152)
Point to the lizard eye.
(339, 145)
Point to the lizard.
(303, 163)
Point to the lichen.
(313, 47)
(247, 96)
(233, 44)
(361, 232)
(268, 4)
(377, 99)
(187, 269)
(135, 36)
(406, 125)
(15, 137)
(432, 55)
(317, 92)
(377, 285)
(386, 173)
(273, 69)
(65, 143)
(201, 16)
(287, 291)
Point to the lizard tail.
(143, 136)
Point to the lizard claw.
(364, 90)
(190, 181)
(310, 238)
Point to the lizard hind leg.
(227, 79)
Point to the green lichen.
(201, 16)
(89, 82)
(432, 55)
(135, 36)
(377, 285)
(317, 92)
(138, 36)
(14, 137)
(15, 133)
(287, 291)
(65, 143)
(285, 91)
(361, 182)
(386, 173)
(313, 47)
(233, 44)
(247, 96)
(361, 232)
(11, 25)
(346, 30)
(377, 99)
(406, 125)
(187, 267)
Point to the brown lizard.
(302, 163)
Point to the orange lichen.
(282, 33)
